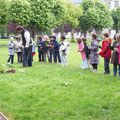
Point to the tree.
(116, 19)
(45, 15)
(70, 18)
(3, 15)
(95, 16)
(20, 12)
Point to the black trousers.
(41, 56)
(11, 59)
(50, 56)
(94, 66)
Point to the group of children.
(109, 51)
(49, 49)
(15, 47)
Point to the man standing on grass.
(26, 45)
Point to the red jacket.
(105, 50)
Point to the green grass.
(39, 92)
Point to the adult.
(26, 46)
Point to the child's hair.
(94, 36)
(106, 35)
(118, 38)
(115, 37)
(79, 40)
(39, 37)
(63, 37)
(84, 39)
(54, 37)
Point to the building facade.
(112, 4)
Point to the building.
(112, 4)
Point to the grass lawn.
(39, 92)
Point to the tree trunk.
(116, 30)
(85, 34)
(72, 35)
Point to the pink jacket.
(119, 55)
(81, 49)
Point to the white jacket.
(64, 48)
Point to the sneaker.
(8, 63)
(94, 70)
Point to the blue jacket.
(41, 46)
(56, 46)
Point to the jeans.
(64, 60)
(116, 69)
(19, 56)
(84, 64)
(56, 56)
(27, 57)
(11, 59)
(106, 65)
(50, 56)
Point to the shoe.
(118, 76)
(8, 63)
(94, 71)
(106, 73)
(82, 68)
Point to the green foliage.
(42, 16)
(3, 11)
(72, 14)
(116, 19)
(19, 12)
(96, 15)
(86, 4)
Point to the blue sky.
(76, 1)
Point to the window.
(109, 4)
(116, 3)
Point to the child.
(87, 50)
(94, 56)
(81, 49)
(11, 50)
(46, 46)
(64, 48)
(116, 55)
(106, 52)
(40, 44)
(33, 49)
(50, 49)
(18, 49)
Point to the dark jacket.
(114, 59)
(87, 50)
(56, 46)
(41, 46)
